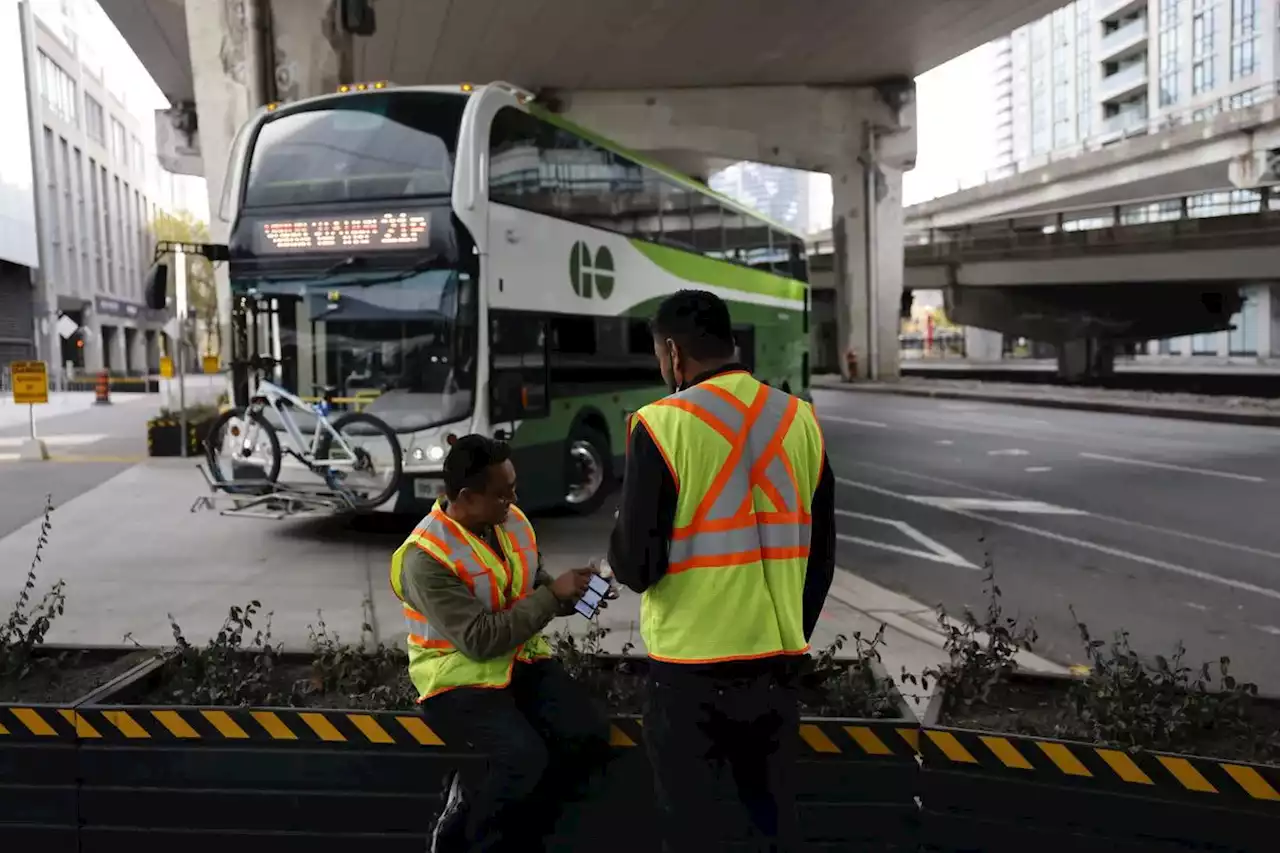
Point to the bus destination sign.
(390, 230)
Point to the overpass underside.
(1089, 291)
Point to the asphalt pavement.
(1162, 528)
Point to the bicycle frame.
(272, 395)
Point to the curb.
(1265, 419)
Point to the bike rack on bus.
(267, 499)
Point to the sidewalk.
(132, 553)
(1254, 411)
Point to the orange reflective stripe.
(421, 533)
(494, 591)
(735, 456)
(423, 643)
(701, 414)
(759, 656)
(726, 395)
(413, 615)
(772, 449)
(738, 558)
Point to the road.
(1165, 529)
(88, 445)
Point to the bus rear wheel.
(587, 470)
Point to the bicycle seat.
(326, 391)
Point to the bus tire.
(588, 469)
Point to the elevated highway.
(823, 85)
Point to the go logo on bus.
(590, 276)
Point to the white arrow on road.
(937, 552)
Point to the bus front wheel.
(587, 467)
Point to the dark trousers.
(702, 730)
(544, 739)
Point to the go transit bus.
(459, 259)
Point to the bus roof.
(523, 99)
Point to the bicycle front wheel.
(364, 458)
(243, 446)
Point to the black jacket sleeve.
(822, 548)
(646, 517)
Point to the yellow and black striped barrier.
(1053, 761)
(139, 725)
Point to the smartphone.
(597, 589)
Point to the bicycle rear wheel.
(243, 446)
(371, 468)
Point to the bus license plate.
(428, 489)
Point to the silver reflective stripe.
(784, 535)
(735, 492)
(714, 404)
(465, 558)
(415, 628)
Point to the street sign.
(210, 363)
(30, 382)
(166, 367)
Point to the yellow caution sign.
(30, 382)
(166, 367)
(210, 363)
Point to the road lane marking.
(1174, 568)
(1170, 467)
(1037, 469)
(1195, 606)
(937, 552)
(1013, 451)
(993, 505)
(1269, 629)
(1123, 522)
(853, 421)
(946, 442)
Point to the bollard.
(102, 389)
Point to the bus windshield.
(407, 345)
(377, 145)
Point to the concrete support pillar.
(246, 53)
(1086, 360)
(1269, 322)
(867, 232)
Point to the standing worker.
(727, 527)
(476, 599)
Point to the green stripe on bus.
(702, 270)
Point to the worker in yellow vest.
(727, 528)
(475, 600)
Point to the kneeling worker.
(476, 599)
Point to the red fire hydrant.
(851, 365)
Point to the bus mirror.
(156, 287)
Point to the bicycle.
(328, 453)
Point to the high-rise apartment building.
(780, 194)
(1097, 70)
(97, 186)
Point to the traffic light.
(156, 288)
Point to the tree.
(202, 290)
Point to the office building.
(97, 187)
(1095, 71)
(783, 195)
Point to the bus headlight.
(435, 453)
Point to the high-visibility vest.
(497, 580)
(746, 459)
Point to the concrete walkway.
(132, 553)
(1257, 411)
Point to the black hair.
(468, 463)
(698, 322)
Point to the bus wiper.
(348, 261)
(398, 275)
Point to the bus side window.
(518, 367)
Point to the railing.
(1114, 41)
(1227, 201)
(1125, 120)
(1164, 121)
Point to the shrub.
(23, 632)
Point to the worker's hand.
(572, 584)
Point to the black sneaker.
(449, 834)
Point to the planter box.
(995, 792)
(313, 779)
(39, 766)
(164, 436)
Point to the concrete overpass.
(1086, 278)
(1177, 155)
(816, 84)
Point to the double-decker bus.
(459, 259)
